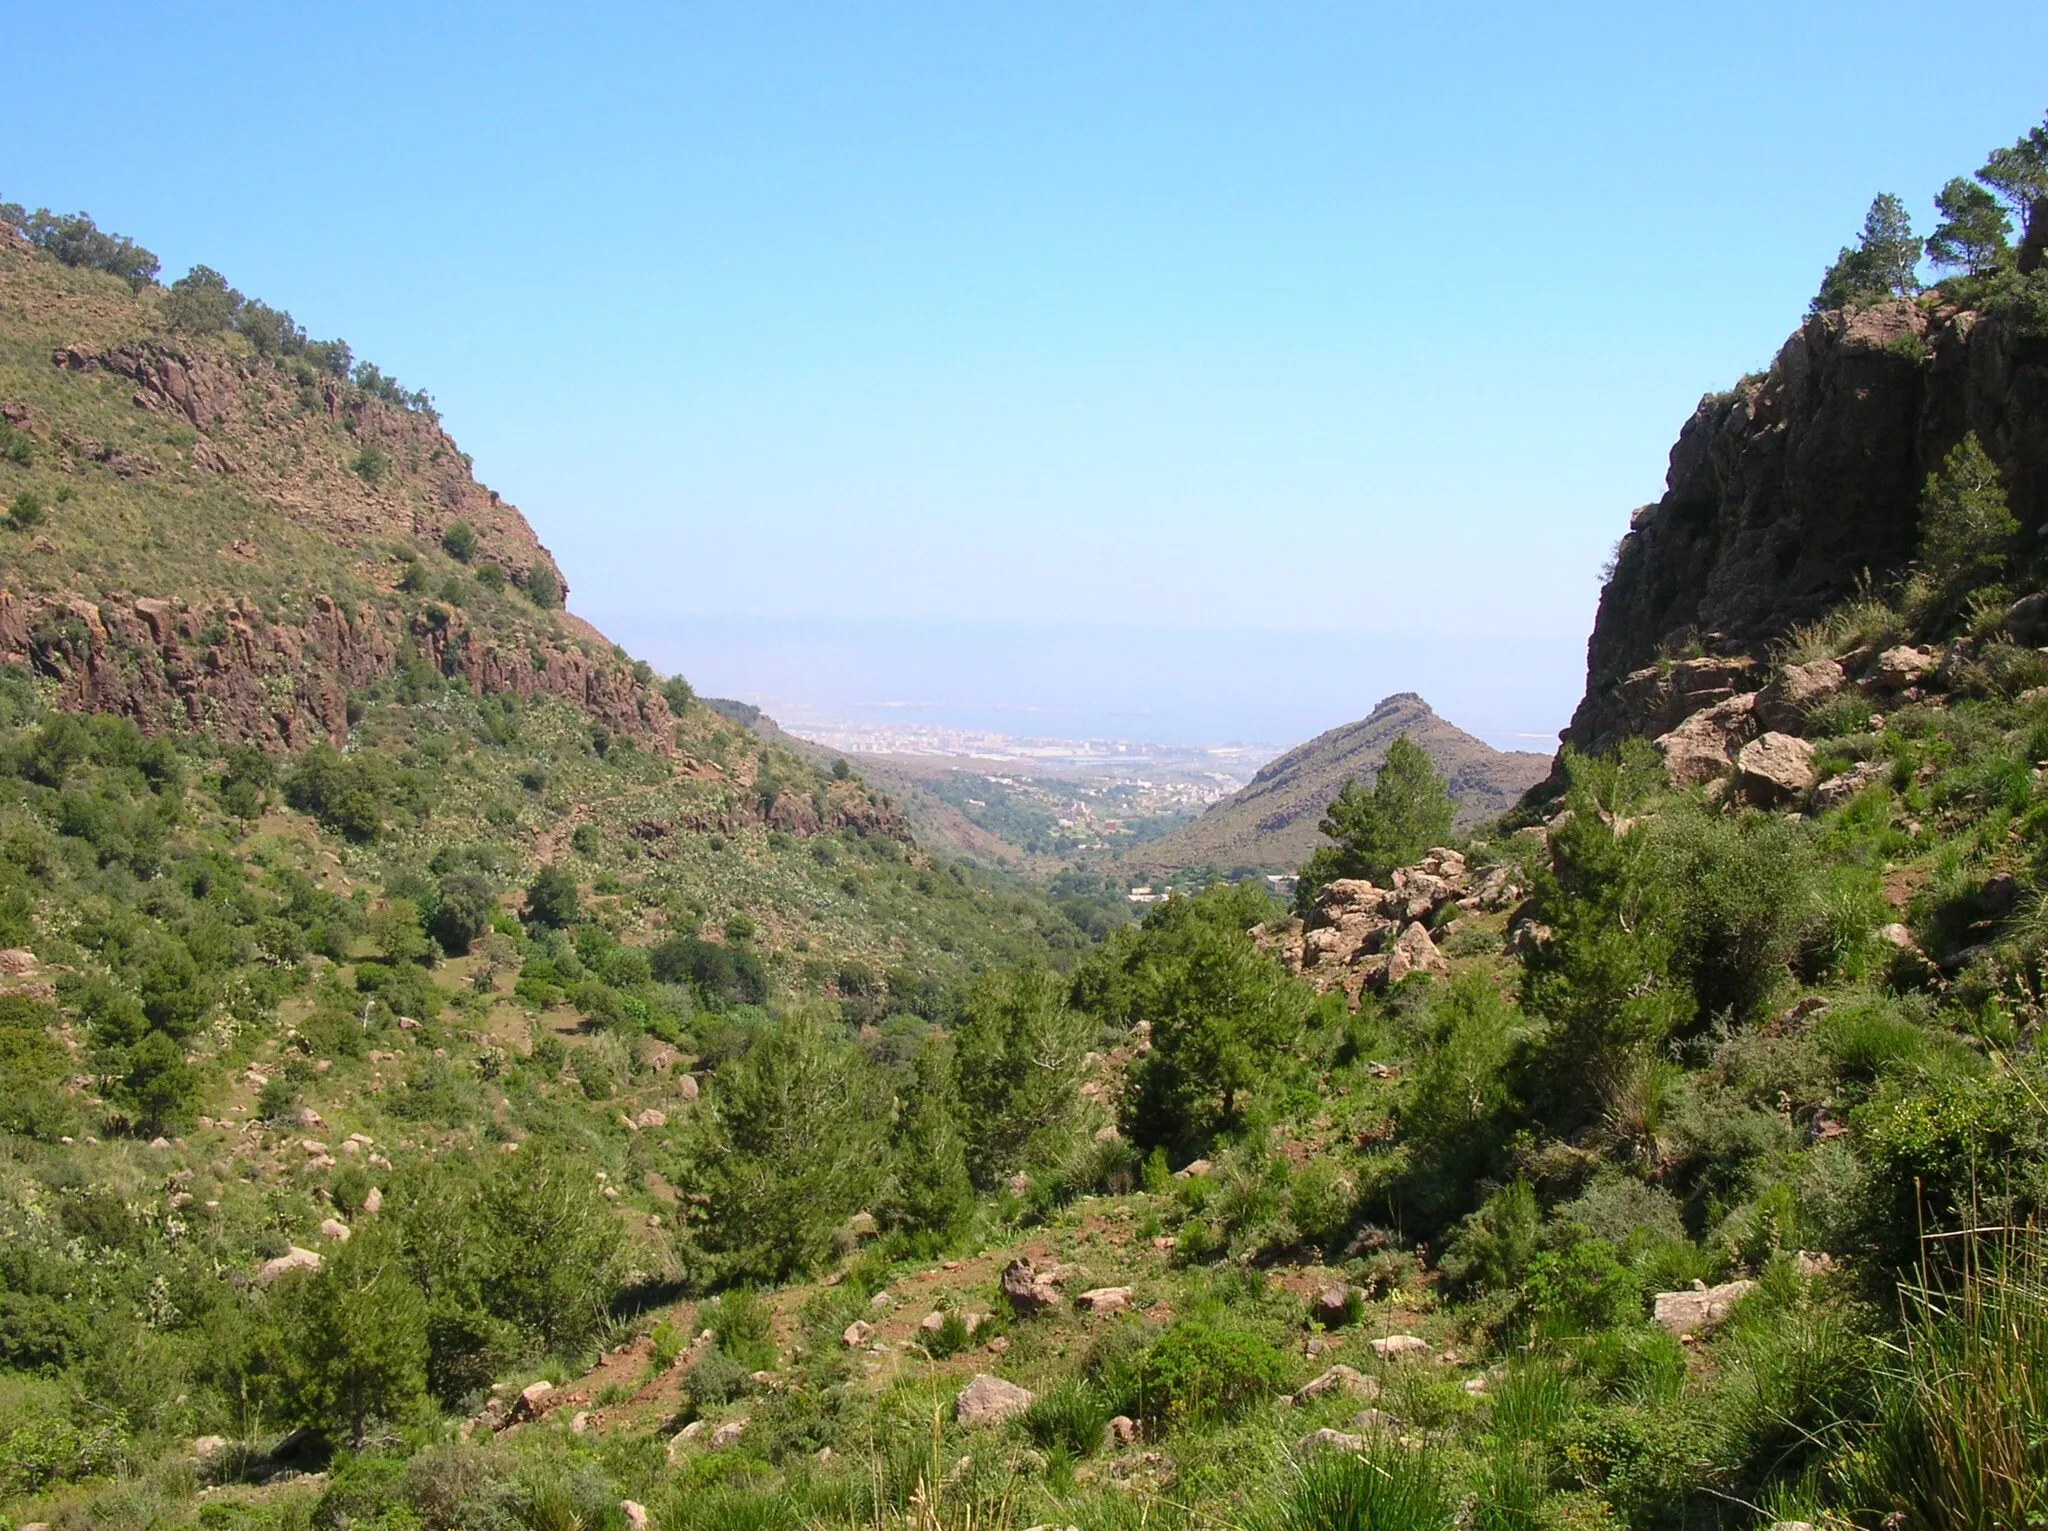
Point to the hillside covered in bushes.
(498, 1118)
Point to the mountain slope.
(235, 542)
(1272, 822)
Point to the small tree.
(2019, 174)
(552, 1248)
(201, 302)
(463, 912)
(933, 1195)
(551, 899)
(1407, 811)
(355, 1337)
(1966, 528)
(543, 587)
(1882, 264)
(790, 1148)
(1020, 1050)
(1972, 234)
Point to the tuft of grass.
(1393, 1490)
(1963, 1433)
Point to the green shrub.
(1197, 1373)
(25, 511)
(459, 541)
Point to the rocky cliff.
(1786, 492)
(214, 539)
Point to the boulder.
(1339, 1378)
(1697, 1311)
(1898, 668)
(1029, 1290)
(1796, 691)
(296, 1260)
(1333, 1305)
(635, 1514)
(1104, 1299)
(1702, 748)
(989, 1401)
(1840, 788)
(207, 1447)
(686, 1087)
(1414, 952)
(374, 1202)
(1194, 1169)
(16, 960)
(650, 1118)
(532, 1402)
(334, 1228)
(1775, 768)
(1897, 935)
(727, 1434)
(1120, 1431)
(1400, 1347)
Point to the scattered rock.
(1372, 1421)
(1104, 1299)
(1122, 1430)
(207, 1447)
(296, 1260)
(579, 1422)
(1330, 1440)
(1904, 666)
(1029, 1290)
(1194, 1169)
(686, 1087)
(1333, 1305)
(373, 1203)
(15, 961)
(1339, 1378)
(635, 1513)
(1790, 698)
(727, 1434)
(1843, 786)
(989, 1401)
(1414, 952)
(650, 1118)
(334, 1228)
(532, 1402)
(856, 1334)
(1399, 1347)
(1897, 935)
(1696, 1312)
(1807, 1265)
(1775, 768)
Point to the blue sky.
(1206, 369)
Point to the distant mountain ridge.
(1272, 822)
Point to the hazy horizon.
(1158, 685)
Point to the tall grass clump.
(1962, 1436)
(1383, 1491)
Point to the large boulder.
(1702, 748)
(1104, 1299)
(1703, 1308)
(295, 1260)
(1839, 789)
(1790, 698)
(989, 1401)
(1414, 952)
(1776, 768)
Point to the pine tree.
(1973, 233)
(1966, 528)
(1882, 264)
(355, 1336)
(933, 1195)
(1407, 811)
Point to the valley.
(456, 1078)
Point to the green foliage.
(76, 240)
(354, 1336)
(1973, 233)
(1224, 1018)
(2019, 174)
(1198, 1372)
(1019, 1067)
(459, 541)
(932, 1195)
(543, 586)
(552, 899)
(1407, 811)
(1966, 529)
(788, 1151)
(202, 303)
(1881, 265)
(25, 511)
(1071, 1418)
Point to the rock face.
(989, 1401)
(1361, 936)
(1784, 491)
